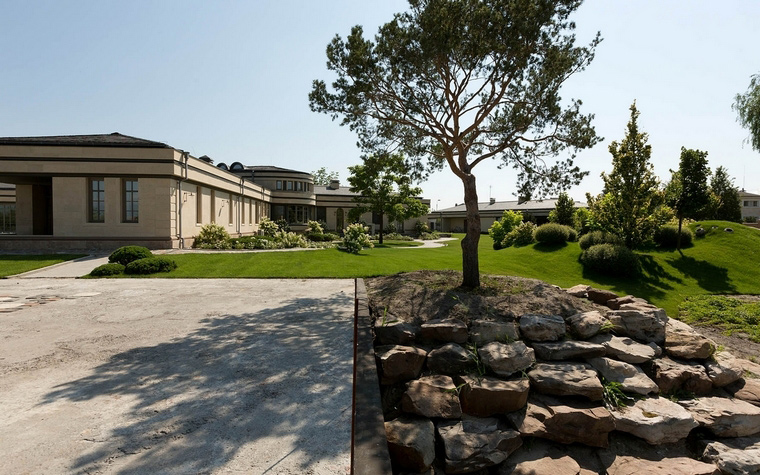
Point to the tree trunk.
(678, 239)
(381, 228)
(470, 268)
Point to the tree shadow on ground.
(709, 277)
(652, 282)
(544, 247)
(280, 377)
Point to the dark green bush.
(598, 237)
(113, 268)
(521, 235)
(667, 237)
(611, 259)
(572, 234)
(150, 265)
(321, 237)
(552, 233)
(125, 255)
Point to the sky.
(230, 79)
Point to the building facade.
(105, 191)
(750, 204)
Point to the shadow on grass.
(709, 277)
(281, 376)
(544, 247)
(652, 282)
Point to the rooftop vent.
(334, 185)
(492, 200)
(206, 159)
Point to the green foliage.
(563, 211)
(724, 204)
(552, 233)
(267, 227)
(323, 177)
(429, 236)
(582, 221)
(687, 193)
(613, 395)
(290, 239)
(283, 225)
(254, 242)
(421, 228)
(747, 107)
(667, 237)
(125, 255)
(355, 238)
(212, 236)
(631, 190)
(522, 235)
(572, 234)
(492, 68)
(398, 237)
(599, 237)
(384, 184)
(150, 265)
(610, 259)
(113, 268)
(500, 228)
(314, 227)
(728, 313)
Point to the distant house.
(453, 219)
(105, 191)
(750, 205)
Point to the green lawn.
(11, 264)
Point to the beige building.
(105, 191)
(750, 205)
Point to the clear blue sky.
(230, 79)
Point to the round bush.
(598, 237)
(552, 233)
(212, 236)
(522, 235)
(113, 268)
(667, 236)
(611, 259)
(125, 255)
(150, 265)
(572, 234)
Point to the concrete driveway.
(175, 376)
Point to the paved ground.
(175, 376)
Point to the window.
(230, 213)
(322, 214)
(290, 186)
(279, 184)
(7, 218)
(213, 206)
(299, 186)
(198, 205)
(97, 204)
(131, 202)
(298, 214)
(278, 212)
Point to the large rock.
(642, 322)
(565, 421)
(740, 456)
(580, 291)
(629, 465)
(474, 444)
(746, 390)
(625, 349)
(432, 396)
(507, 359)
(673, 376)
(411, 443)
(723, 369)
(567, 350)
(631, 378)
(600, 296)
(486, 331)
(587, 324)
(395, 333)
(618, 302)
(563, 465)
(445, 330)
(400, 363)
(681, 341)
(725, 417)
(566, 379)
(656, 420)
(450, 359)
(542, 327)
(485, 396)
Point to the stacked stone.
(477, 391)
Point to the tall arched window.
(339, 220)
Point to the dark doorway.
(42, 209)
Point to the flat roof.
(99, 140)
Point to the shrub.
(397, 237)
(500, 228)
(290, 239)
(667, 237)
(283, 225)
(113, 268)
(572, 234)
(552, 233)
(582, 221)
(599, 237)
(522, 235)
(355, 238)
(496, 231)
(125, 255)
(213, 236)
(150, 265)
(314, 227)
(267, 227)
(429, 236)
(390, 228)
(420, 228)
(750, 219)
(611, 259)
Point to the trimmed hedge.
(598, 237)
(611, 259)
(114, 268)
(150, 265)
(553, 233)
(667, 237)
(125, 255)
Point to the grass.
(12, 264)
(729, 314)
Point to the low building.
(750, 204)
(454, 219)
(105, 191)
